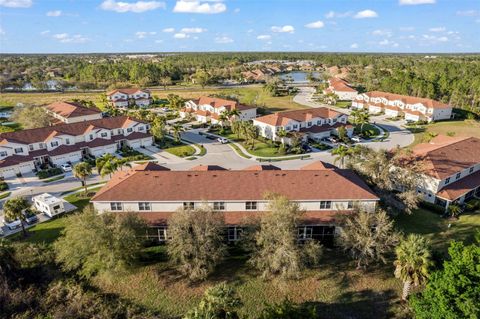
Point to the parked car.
(356, 139)
(306, 148)
(12, 224)
(210, 137)
(30, 217)
(332, 139)
(222, 140)
(66, 167)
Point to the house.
(341, 88)
(124, 98)
(48, 204)
(208, 109)
(414, 109)
(314, 123)
(450, 169)
(324, 192)
(68, 112)
(26, 150)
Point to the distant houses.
(341, 88)
(68, 112)
(413, 109)
(124, 98)
(315, 123)
(208, 109)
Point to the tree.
(106, 164)
(82, 171)
(342, 153)
(276, 252)
(158, 128)
(197, 242)
(282, 133)
(177, 130)
(343, 134)
(223, 118)
(367, 237)
(218, 302)
(412, 262)
(93, 243)
(13, 210)
(454, 210)
(202, 77)
(454, 290)
(31, 117)
(362, 118)
(175, 102)
(165, 80)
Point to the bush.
(432, 207)
(3, 186)
(287, 310)
(46, 173)
(472, 205)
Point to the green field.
(454, 128)
(182, 150)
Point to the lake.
(299, 76)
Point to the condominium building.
(341, 88)
(208, 109)
(26, 150)
(413, 109)
(68, 112)
(124, 98)
(155, 193)
(315, 123)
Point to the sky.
(87, 26)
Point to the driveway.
(398, 134)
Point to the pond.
(298, 76)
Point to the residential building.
(341, 88)
(414, 109)
(26, 150)
(155, 193)
(124, 98)
(208, 109)
(450, 169)
(68, 112)
(315, 123)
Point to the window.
(129, 130)
(3, 153)
(18, 150)
(319, 122)
(116, 206)
(219, 205)
(334, 120)
(120, 131)
(67, 141)
(295, 126)
(30, 147)
(41, 145)
(104, 134)
(144, 206)
(471, 169)
(325, 204)
(309, 123)
(54, 143)
(287, 128)
(458, 175)
(91, 136)
(162, 233)
(140, 128)
(305, 232)
(188, 205)
(251, 205)
(350, 205)
(447, 180)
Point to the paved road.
(398, 134)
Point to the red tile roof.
(69, 110)
(340, 85)
(207, 168)
(282, 118)
(262, 168)
(128, 91)
(324, 128)
(429, 103)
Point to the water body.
(299, 76)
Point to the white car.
(66, 167)
(356, 139)
(222, 140)
(12, 224)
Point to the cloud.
(437, 29)
(237, 10)
(192, 30)
(468, 13)
(158, 41)
(181, 35)
(434, 38)
(264, 37)
(406, 29)
(354, 46)
(415, 2)
(168, 30)
(16, 3)
(283, 29)
(137, 7)
(199, 6)
(386, 42)
(365, 14)
(333, 14)
(143, 34)
(315, 25)
(384, 33)
(223, 40)
(67, 38)
(45, 32)
(54, 13)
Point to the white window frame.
(326, 203)
(218, 205)
(116, 206)
(144, 206)
(188, 205)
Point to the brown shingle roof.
(262, 168)
(460, 187)
(68, 109)
(282, 118)
(207, 168)
(73, 129)
(235, 185)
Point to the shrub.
(46, 173)
(3, 186)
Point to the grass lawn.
(182, 150)
(458, 128)
(54, 179)
(343, 104)
(369, 129)
(5, 195)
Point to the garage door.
(74, 157)
(59, 160)
(25, 168)
(135, 144)
(7, 172)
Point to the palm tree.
(177, 129)
(362, 119)
(342, 152)
(454, 210)
(82, 171)
(282, 133)
(233, 115)
(106, 164)
(223, 118)
(120, 163)
(13, 210)
(413, 260)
